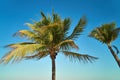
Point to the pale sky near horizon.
(15, 13)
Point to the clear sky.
(13, 15)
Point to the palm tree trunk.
(53, 68)
(114, 55)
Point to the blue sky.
(15, 13)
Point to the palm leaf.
(21, 50)
(39, 55)
(66, 26)
(18, 44)
(66, 44)
(97, 34)
(116, 49)
(45, 20)
(32, 26)
(26, 33)
(78, 29)
(79, 57)
(115, 34)
(56, 18)
(42, 14)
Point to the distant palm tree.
(49, 36)
(107, 33)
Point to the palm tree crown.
(107, 33)
(49, 36)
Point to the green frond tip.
(42, 14)
(66, 24)
(79, 57)
(78, 29)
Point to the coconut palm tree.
(106, 34)
(49, 36)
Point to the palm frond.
(20, 50)
(42, 14)
(97, 34)
(117, 51)
(6, 58)
(29, 35)
(55, 30)
(36, 27)
(45, 20)
(32, 26)
(66, 25)
(39, 55)
(47, 37)
(79, 57)
(115, 34)
(56, 18)
(18, 44)
(26, 33)
(66, 44)
(78, 29)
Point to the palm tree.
(106, 34)
(49, 36)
